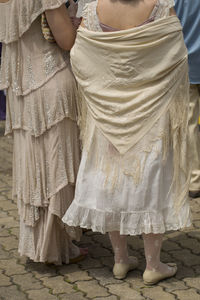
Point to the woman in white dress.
(42, 117)
(130, 62)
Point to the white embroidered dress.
(130, 193)
(41, 116)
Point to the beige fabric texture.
(134, 66)
(41, 116)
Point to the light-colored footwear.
(120, 270)
(153, 277)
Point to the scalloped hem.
(128, 223)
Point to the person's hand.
(72, 9)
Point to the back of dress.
(41, 116)
(91, 20)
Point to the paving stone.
(12, 293)
(195, 207)
(186, 257)
(22, 260)
(8, 222)
(193, 282)
(157, 293)
(41, 270)
(14, 254)
(42, 294)
(136, 280)
(3, 214)
(196, 216)
(4, 280)
(75, 296)
(184, 272)
(166, 257)
(176, 236)
(15, 231)
(9, 242)
(92, 289)
(135, 243)
(11, 267)
(89, 263)
(27, 282)
(96, 251)
(13, 213)
(4, 232)
(103, 240)
(195, 234)
(108, 262)
(190, 294)
(191, 244)
(124, 291)
(58, 285)
(3, 254)
(73, 273)
(169, 245)
(107, 298)
(86, 240)
(172, 285)
(7, 205)
(197, 270)
(103, 275)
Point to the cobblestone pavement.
(22, 279)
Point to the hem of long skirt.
(52, 194)
(128, 223)
(9, 130)
(43, 260)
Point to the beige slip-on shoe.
(153, 277)
(120, 270)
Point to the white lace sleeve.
(90, 18)
(167, 3)
(82, 4)
(163, 8)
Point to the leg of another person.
(194, 139)
(155, 269)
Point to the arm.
(172, 12)
(61, 26)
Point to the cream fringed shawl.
(128, 80)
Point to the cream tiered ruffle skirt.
(46, 158)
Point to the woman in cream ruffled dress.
(41, 116)
(130, 62)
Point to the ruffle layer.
(45, 107)
(48, 239)
(43, 166)
(16, 16)
(128, 223)
(31, 62)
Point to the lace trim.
(89, 14)
(82, 6)
(132, 223)
(16, 16)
